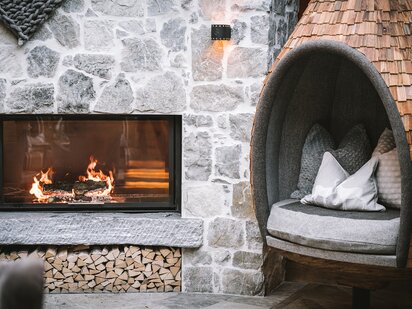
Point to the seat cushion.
(347, 231)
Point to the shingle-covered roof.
(380, 29)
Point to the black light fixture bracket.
(221, 32)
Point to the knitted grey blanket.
(24, 17)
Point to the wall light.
(221, 32)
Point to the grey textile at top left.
(21, 284)
(24, 18)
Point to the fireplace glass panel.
(85, 162)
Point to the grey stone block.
(95, 64)
(242, 282)
(198, 279)
(254, 239)
(241, 126)
(196, 257)
(254, 92)
(141, 54)
(197, 156)
(165, 229)
(206, 201)
(75, 92)
(225, 233)
(116, 97)
(259, 29)
(213, 9)
(98, 35)
(244, 62)
(216, 98)
(31, 98)
(10, 62)
(222, 257)
(160, 7)
(247, 260)
(42, 61)
(163, 93)
(206, 58)
(133, 26)
(251, 5)
(227, 161)
(238, 31)
(242, 204)
(42, 34)
(119, 7)
(73, 6)
(173, 33)
(198, 120)
(66, 30)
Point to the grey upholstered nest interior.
(345, 231)
(335, 93)
(332, 84)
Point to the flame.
(37, 185)
(98, 176)
(37, 188)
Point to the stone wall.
(155, 56)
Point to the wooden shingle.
(380, 29)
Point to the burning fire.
(98, 176)
(37, 185)
(42, 179)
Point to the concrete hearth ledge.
(165, 229)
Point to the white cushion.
(334, 188)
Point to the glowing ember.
(101, 190)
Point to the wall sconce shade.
(221, 32)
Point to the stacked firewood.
(114, 269)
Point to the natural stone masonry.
(197, 156)
(98, 35)
(246, 62)
(169, 96)
(66, 30)
(156, 57)
(216, 98)
(98, 65)
(132, 8)
(75, 92)
(141, 54)
(116, 98)
(227, 161)
(118, 269)
(42, 61)
(226, 233)
(31, 98)
(173, 33)
(206, 57)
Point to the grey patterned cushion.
(388, 176)
(386, 143)
(317, 142)
(334, 188)
(354, 150)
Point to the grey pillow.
(334, 188)
(317, 142)
(354, 149)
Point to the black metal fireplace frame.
(175, 173)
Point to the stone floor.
(287, 296)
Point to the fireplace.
(90, 162)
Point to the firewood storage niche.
(90, 162)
